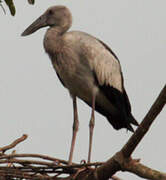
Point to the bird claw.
(83, 161)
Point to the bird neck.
(53, 40)
(58, 30)
(63, 26)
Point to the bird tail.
(133, 121)
(125, 122)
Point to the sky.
(33, 101)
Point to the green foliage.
(11, 5)
(31, 1)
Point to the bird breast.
(76, 76)
(80, 60)
(72, 70)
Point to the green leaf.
(11, 6)
(31, 1)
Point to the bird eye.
(50, 12)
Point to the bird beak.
(39, 23)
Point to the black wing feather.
(119, 100)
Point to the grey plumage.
(86, 66)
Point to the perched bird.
(88, 68)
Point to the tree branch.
(121, 161)
(144, 171)
(45, 157)
(14, 143)
(145, 125)
(116, 162)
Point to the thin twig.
(14, 143)
(26, 162)
(52, 164)
(45, 157)
(10, 164)
(19, 174)
(39, 169)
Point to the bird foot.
(83, 161)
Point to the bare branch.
(145, 125)
(45, 157)
(144, 171)
(116, 162)
(14, 143)
(18, 174)
(121, 161)
(26, 162)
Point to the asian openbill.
(88, 68)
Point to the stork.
(88, 68)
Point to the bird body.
(88, 68)
(84, 65)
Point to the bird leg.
(75, 129)
(91, 127)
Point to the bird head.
(59, 16)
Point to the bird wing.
(109, 49)
(112, 84)
(106, 66)
(115, 80)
